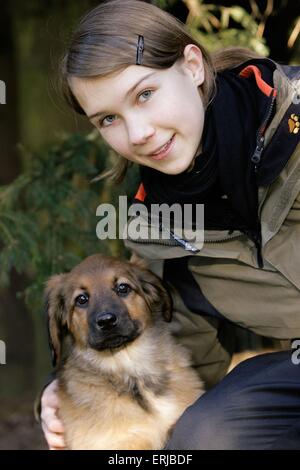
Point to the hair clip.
(139, 50)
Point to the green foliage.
(216, 27)
(48, 214)
(164, 4)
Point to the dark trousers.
(256, 406)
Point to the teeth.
(165, 146)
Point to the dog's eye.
(123, 289)
(81, 300)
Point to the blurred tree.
(14, 324)
(217, 26)
(48, 214)
(276, 20)
(9, 116)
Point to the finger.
(48, 415)
(56, 426)
(50, 398)
(55, 440)
(51, 424)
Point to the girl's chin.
(174, 168)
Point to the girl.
(223, 132)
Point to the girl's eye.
(108, 122)
(146, 94)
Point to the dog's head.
(103, 303)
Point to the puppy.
(123, 380)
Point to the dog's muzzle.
(109, 330)
(106, 321)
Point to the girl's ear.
(193, 63)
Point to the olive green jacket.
(264, 300)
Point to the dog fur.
(123, 380)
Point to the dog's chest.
(120, 417)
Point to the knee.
(201, 427)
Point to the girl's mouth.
(165, 150)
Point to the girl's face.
(140, 111)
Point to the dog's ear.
(136, 260)
(56, 315)
(156, 294)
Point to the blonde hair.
(105, 42)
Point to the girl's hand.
(51, 425)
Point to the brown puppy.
(123, 381)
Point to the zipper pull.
(183, 243)
(256, 157)
(186, 245)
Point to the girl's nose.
(140, 133)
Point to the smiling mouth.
(163, 150)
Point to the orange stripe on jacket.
(141, 193)
(262, 85)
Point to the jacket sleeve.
(210, 341)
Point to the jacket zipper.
(178, 241)
(260, 140)
(256, 159)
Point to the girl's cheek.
(119, 145)
(170, 113)
(111, 138)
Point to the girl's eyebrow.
(131, 90)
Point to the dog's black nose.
(106, 321)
